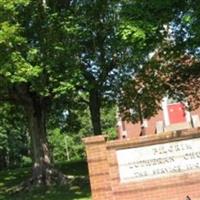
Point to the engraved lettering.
(159, 160)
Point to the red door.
(176, 113)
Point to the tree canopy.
(37, 65)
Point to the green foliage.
(13, 138)
(10, 34)
(66, 140)
(66, 147)
(12, 4)
(29, 36)
(20, 70)
(26, 161)
(109, 121)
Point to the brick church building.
(172, 117)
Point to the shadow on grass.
(77, 188)
(77, 168)
(53, 193)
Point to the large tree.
(179, 56)
(36, 66)
(144, 32)
(173, 67)
(115, 39)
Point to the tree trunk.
(40, 149)
(43, 172)
(94, 106)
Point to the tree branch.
(88, 76)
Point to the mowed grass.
(77, 189)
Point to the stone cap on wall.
(144, 140)
(94, 139)
(155, 139)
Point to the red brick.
(104, 175)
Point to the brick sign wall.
(158, 167)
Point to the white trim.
(165, 112)
(187, 113)
(187, 116)
(145, 123)
(175, 103)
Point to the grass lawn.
(78, 189)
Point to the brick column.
(98, 167)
